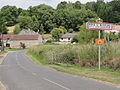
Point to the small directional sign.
(100, 41)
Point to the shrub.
(84, 55)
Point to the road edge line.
(3, 58)
(2, 86)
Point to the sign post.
(99, 46)
(98, 25)
(99, 51)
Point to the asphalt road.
(18, 72)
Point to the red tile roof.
(20, 37)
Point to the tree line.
(44, 18)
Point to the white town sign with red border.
(99, 26)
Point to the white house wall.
(66, 40)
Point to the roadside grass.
(2, 52)
(105, 74)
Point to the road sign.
(99, 20)
(115, 27)
(99, 26)
(100, 41)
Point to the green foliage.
(41, 29)
(25, 22)
(109, 12)
(70, 30)
(17, 29)
(63, 30)
(75, 39)
(49, 41)
(3, 28)
(56, 33)
(113, 37)
(77, 5)
(83, 55)
(87, 36)
(44, 18)
(72, 18)
(9, 14)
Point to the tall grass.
(84, 55)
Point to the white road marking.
(56, 84)
(2, 87)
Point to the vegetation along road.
(18, 72)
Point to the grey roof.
(27, 32)
(69, 35)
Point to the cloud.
(26, 3)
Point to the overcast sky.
(26, 3)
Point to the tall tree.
(77, 5)
(10, 14)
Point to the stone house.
(27, 32)
(28, 40)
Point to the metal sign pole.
(99, 50)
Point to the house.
(115, 29)
(25, 37)
(27, 32)
(16, 40)
(67, 37)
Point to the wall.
(66, 40)
(28, 43)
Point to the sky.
(26, 3)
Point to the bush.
(83, 55)
(17, 29)
(49, 41)
(71, 30)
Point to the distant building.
(28, 40)
(115, 29)
(67, 37)
(27, 32)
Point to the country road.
(18, 72)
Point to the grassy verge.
(2, 53)
(105, 74)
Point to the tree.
(63, 30)
(41, 29)
(62, 5)
(87, 36)
(34, 24)
(77, 5)
(92, 6)
(25, 22)
(56, 34)
(17, 29)
(10, 14)
(70, 30)
(3, 28)
(44, 15)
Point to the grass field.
(106, 75)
